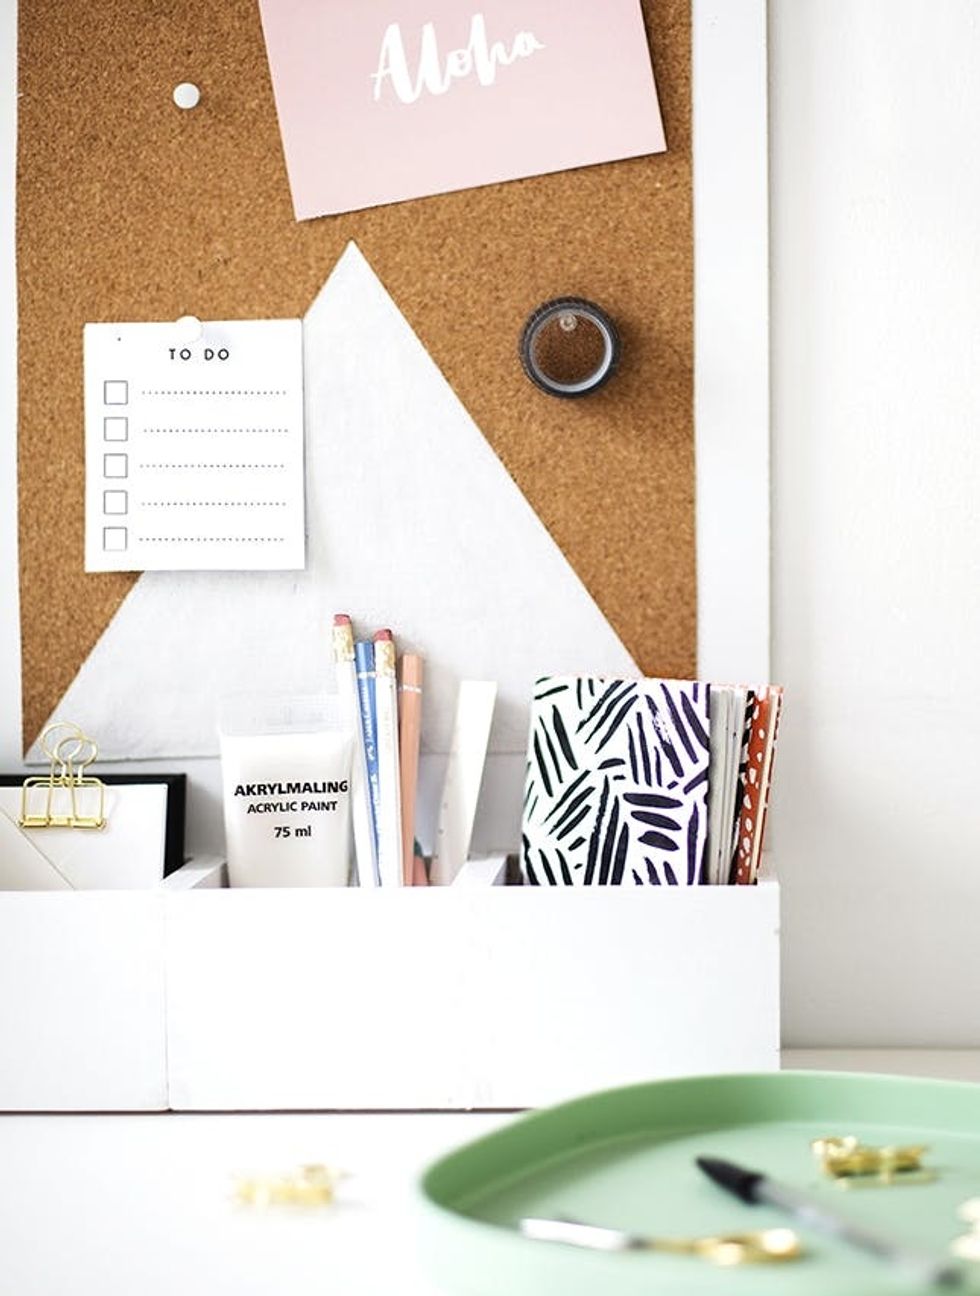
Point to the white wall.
(875, 169)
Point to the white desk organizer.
(195, 998)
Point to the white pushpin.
(189, 329)
(187, 95)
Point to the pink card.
(383, 100)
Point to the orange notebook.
(758, 780)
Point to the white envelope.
(22, 866)
(127, 854)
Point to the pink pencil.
(410, 734)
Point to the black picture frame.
(176, 820)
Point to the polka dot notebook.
(194, 446)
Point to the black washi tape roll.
(569, 347)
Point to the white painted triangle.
(414, 523)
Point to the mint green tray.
(625, 1158)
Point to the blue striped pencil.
(365, 851)
(364, 661)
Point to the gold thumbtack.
(851, 1162)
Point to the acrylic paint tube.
(285, 772)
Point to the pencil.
(364, 662)
(343, 652)
(409, 737)
(389, 821)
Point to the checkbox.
(115, 501)
(115, 392)
(115, 465)
(115, 428)
(114, 539)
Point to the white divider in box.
(460, 997)
(204, 873)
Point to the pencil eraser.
(341, 619)
(383, 636)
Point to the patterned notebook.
(617, 782)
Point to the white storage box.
(418, 998)
(82, 1001)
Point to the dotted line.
(214, 504)
(212, 465)
(211, 539)
(271, 432)
(216, 391)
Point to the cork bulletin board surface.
(129, 209)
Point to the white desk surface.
(115, 1205)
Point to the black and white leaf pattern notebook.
(617, 782)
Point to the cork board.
(131, 209)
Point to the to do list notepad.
(194, 450)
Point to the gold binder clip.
(311, 1185)
(57, 799)
(853, 1163)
